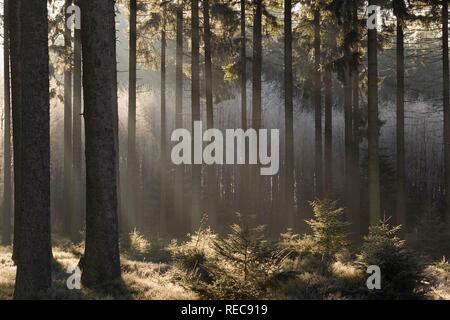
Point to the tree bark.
(373, 157)
(131, 155)
(318, 163)
(34, 257)
(67, 187)
(401, 174)
(211, 170)
(196, 214)
(163, 157)
(78, 200)
(288, 116)
(7, 197)
(101, 263)
(328, 146)
(179, 171)
(255, 195)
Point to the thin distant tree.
(256, 97)
(211, 174)
(195, 105)
(7, 198)
(243, 88)
(179, 171)
(78, 202)
(101, 261)
(131, 154)
(30, 73)
(67, 187)
(372, 132)
(163, 157)
(289, 115)
(318, 161)
(400, 12)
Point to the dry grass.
(140, 280)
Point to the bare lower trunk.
(101, 259)
(33, 258)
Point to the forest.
(225, 150)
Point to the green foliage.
(401, 271)
(194, 255)
(329, 231)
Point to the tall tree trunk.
(101, 258)
(348, 122)
(179, 171)
(318, 163)
(34, 258)
(7, 197)
(163, 157)
(211, 170)
(244, 172)
(131, 155)
(356, 176)
(195, 105)
(446, 104)
(257, 101)
(67, 188)
(288, 116)
(16, 89)
(372, 99)
(328, 146)
(401, 174)
(77, 196)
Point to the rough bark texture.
(101, 259)
(373, 167)
(328, 145)
(7, 198)
(33, 258)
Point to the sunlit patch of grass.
(140, 280)
(439, 275)
(7, 273)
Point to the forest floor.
(140, 280)
(160, 279)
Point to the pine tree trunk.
(131, 156)
(16, 89)
(78, 201)
(101, 259)
(318, 163)
(179, 171)
(244, 172)
(211, 170)
(7, 198)
(328, 147)
(195, 105)
(289, 116)
(67, 188)
(34, 257)
(256, 189)
(373, 158)
(163, 157)
(356, 175)
(401, 174)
